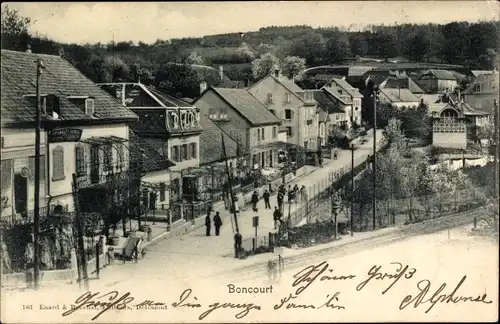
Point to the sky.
(92, 22)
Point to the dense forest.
(473, 45)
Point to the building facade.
(295, 108)
(434, 81)
(347, 98)
(482, 91)
(84, 132)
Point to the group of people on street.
(217, 223)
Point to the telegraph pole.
(352, 187)
(36, 220)
(374, 201)
(497, 158)
(230, 184)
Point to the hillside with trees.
(246, 56)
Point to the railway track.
(436, 225)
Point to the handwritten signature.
(304, 278)
(107, 301)
(425, 286)
(375, 273)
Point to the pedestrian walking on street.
(237, 244)
(217, 223)
(290, 194)
(276, 216)
(267, 196)
(255, 200)
(208, 223)
(280, 198)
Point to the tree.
(246, 52)
(194, 58)
(13, 23)
(416, 122)
(292, 66)
(337, 49)
(115, 69)
(264, 65)
(394, 135)
(311, 47)
(178, 80)
(14, 29)
(386, 41)
(419, 47)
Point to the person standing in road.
(237, 244)
(255, 200)
(276, 216)
(280, 198)
(208, 223)
(267, 196)
(217, 223)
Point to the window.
(107, 151)
(288, 114)
(89, 107)
(184, 152)
(194, 153)
(162, 191)
(80, 160)
(289, 131)
(477, 87)
(275, 132)
(58, 163)
(340, 91)
(262, 133)
(269, 98)
(258, 134)
(175, 153)
(288, 97)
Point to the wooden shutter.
(162, 191)
(194, 152)
(58, 163)
(6, 173)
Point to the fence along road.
(259, 270)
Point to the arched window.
(449, 113)
(58, 163)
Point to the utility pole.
(352, 187)
(497, 158)
(374, 200)
(79, 229)
(36, 220)
(230, 183)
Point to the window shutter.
(291, 114)
(6, 174)
(58, 163)
(194, 151)
(162, 191)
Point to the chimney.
(203, 87)
(276, 72)
(28, 48)
(221, 72)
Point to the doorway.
(20, 193)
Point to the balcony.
(183, 120)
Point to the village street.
(196, 254)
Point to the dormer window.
(89, 107)
(477, 87)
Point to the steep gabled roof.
(403, 82)
(60, 79)
(248, 106)
(326, 102)
(211, 143)
(440, 74)
(353, 92)
(151, 158)
(399, 95)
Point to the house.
(348, 97)
(401, 82)
(246, 120)
(323, 123)
(455, 121)
(156, 176)
(337, 116)
(294, 106)
(84, 131)
(400, 98)
(172, 127)
(434, 81)
(482, 91)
